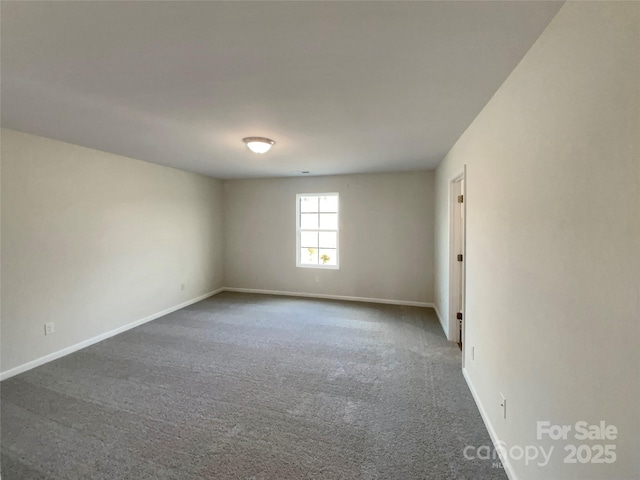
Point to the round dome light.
(258, 144)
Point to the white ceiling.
(342, 87)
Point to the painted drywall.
(553, 240)
(386, 236)
(94, 241)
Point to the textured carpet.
(251, 387)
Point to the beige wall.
(553, 239)
(386, 236)
(94, 241)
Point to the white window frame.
(299, 230)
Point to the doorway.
(457, 261)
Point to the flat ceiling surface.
(342, 87)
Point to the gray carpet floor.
(243, 386)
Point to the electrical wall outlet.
(49, 328)
(317, 278)
(503, 405)
(183, 286)
(473, 353)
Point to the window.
(317, 230)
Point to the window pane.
(309, 221)
(329, 221)
(309, 256)
(309, 239)
(327, 256)
(308, 204)
(329, 204)
(328, 239)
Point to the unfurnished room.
(287, 240)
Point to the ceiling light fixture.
(258, 144)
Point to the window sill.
(321, 267)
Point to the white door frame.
(457, 243)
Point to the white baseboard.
(331, 297)
(445, 330)
(508, 468)
(103, 336)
